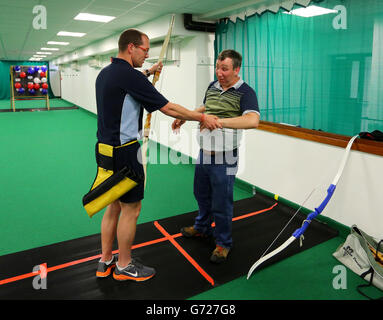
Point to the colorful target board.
(29, 82)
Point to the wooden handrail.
(363, 145)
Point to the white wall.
(280, 164)
(78, 87)
(293, 167)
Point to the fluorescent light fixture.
(311, 11)
(71, 34)
(38, 56)
(35, 59)
(58, 43)
(43, 52)
(93, 17)
(50, 49)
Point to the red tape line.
(72, 263)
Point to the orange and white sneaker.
(104, 269)
(135, 271)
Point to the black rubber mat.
(176, 277)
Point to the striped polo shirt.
(236, 101)
(122, 94)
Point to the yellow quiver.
(108, 186)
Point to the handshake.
(208, 122)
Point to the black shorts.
(130, 156)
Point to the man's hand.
(176, 125)
(210, 122)
(157, 67)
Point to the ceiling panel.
(199, 6)
(135, 1)
(19, 40)
(152, 8)
(110, 9)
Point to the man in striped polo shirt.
(235, 104)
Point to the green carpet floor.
(47, 165)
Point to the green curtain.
(5, 77)
(323, 72)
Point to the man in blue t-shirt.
(235, 103)
(122, 92)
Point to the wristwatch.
(147, 73)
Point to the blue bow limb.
(315, 213)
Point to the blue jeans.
(213, 189)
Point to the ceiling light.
(71, 34)
(35, 59)
(43, 52)
(311, 11)
(58, 43)
(93, 17)
(38, 56)
(50, 49)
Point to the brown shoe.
(191, 232)
(219, 254)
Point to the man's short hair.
(233, 55)
(130, 36)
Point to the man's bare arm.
(247, 121)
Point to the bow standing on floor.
(299, 232)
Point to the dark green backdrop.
(323, 72)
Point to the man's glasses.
(146, 50)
